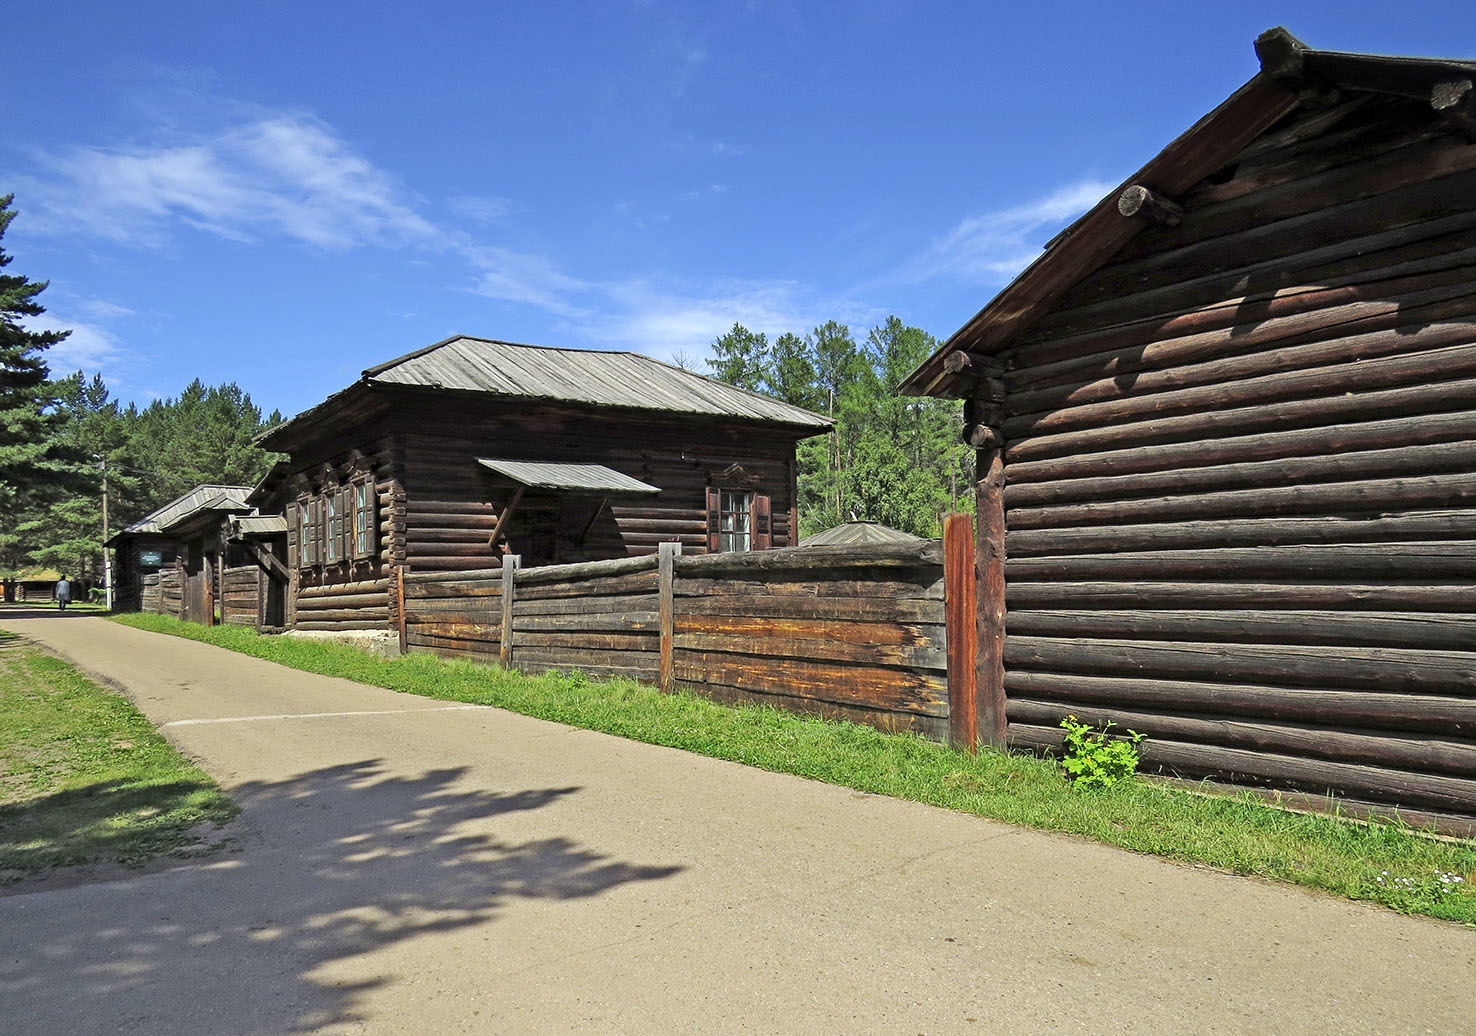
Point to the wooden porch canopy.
(565, 477)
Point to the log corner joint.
(1138, 201)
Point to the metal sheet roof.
(583, 478)
(260, 525)
(618, 379)
(853, 533)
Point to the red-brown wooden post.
(990, 566)
(959, 604)
(666, 560)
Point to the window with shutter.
(332, 530)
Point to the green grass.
(84, 778)
(1386, 863)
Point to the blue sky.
(282, 194)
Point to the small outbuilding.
(1227, 429)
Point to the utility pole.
(107, 556)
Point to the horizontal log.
(864, 589)
(1370, 527)
(1318, 776)
(590, 587)
(577, 606)
(1439, 632)
(795, 559)
(600, 622)
(924, 655)
(1384, 669)
(340, 626)
(1376, 496)
(342, 589)
(585, 641)
(1448, 717)
(369, 616)
(1417, 247)
(1457, 599)
(489, 575)
(472, 631)
(815, 608)
(1432, 561)
(1130, 354)
(810, 629)
(1438, 360)
(584, 570)
(933, 727)
(889, 689)
(370, 599)
(471, 552)
(1385, 749)
(1244, 420)
(1405, 458)
(570, 657)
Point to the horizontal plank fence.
(240, 600)
(845, 632)
(151, 597)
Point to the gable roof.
(1288, 69)
(569, 476)
(201, 498)
(593, 377)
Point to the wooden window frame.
(760, 532)
(364, 533)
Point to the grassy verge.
(84, 778)
(1385, 863)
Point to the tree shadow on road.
(337, 863)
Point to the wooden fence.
(240, 598)
(858, 633)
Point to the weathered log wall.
(846, 632)
(151, 598)
(240, 602)
(451, 507)
(171, 592)
(1240, 507)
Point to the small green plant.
(1093, 760)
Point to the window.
(738, 518)
(333, 520)
(365, 519)
(307, 532)
(735, 520)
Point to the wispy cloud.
(994, 246)
(283, 174)
(89, 347)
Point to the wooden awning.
(583, 479)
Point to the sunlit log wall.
(1240, 506)
(846, 632)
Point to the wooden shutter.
(763, 535)
(714, 519)
(315, 534)
(371, 519)
(346, 523)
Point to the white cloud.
(285, 174)
(483, 209)
(993, 247)
(88, 348)
(534, 280)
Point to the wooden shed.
(1227, 433)
(449, 457)
(173, 536)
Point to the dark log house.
(1227, 434)
(452, 456)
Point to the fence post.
(960, 602)
(990, 564)
(510, 563)
(668, 553)
(404, 628)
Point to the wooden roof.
(1289, 69)
(569, 477)
(201, 498)
(590, 377)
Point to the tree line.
(62, 440)
(893, 459)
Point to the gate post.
(510, 563)
(666, 560)
(959, 607)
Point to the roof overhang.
(566, 477)
(1290, 72)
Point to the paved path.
(405, 866)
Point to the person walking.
(63, 593)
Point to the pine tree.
(740, 358)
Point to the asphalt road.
(406, 865)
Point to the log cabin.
(182, 534)
(452, 456)
(1226, 427)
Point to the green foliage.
(891, 459)
(1093, 760)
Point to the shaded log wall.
(847, 632)
(451, 502)
(171, 592)
(1240, 507)
(240, 603)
